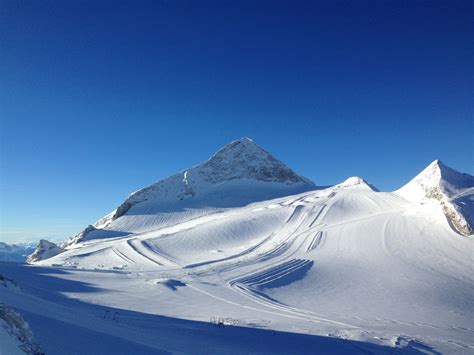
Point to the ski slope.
(240, 255)
(345, 262)
(239, 173)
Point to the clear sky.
(99, 99)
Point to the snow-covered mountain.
(241, 239)
(15, 252)
(453, 190)
(44, 250)
(239, 173)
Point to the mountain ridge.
(344, 260)
(452, 189)
(242, 172)
(241, 160)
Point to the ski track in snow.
(299, 266)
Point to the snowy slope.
(453, 190)
(346, 262)
(15, 334)
(44, 250)
(10, 344)
(343, 269)
(239, 173)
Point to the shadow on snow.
(117, 331)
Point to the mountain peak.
(436, 162)
(44, 250)
(452, 189)
(237, 148)
(356, 181)
(439, 175)
(238, 145)
(239, 173)
(436, 165)
(245, 159)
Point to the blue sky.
(100, 98)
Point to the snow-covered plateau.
(240, 254)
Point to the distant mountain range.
(16, 252)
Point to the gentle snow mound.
(355, 181)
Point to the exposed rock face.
(18, 329)
(44, 250)
(241, 160)
(245, 159)
(78, 237)
(453, 190)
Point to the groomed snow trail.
(345, 261)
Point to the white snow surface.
(344, 269)
(453, 190)
(9, 343)
(44, 250)
(239, 173)
(280, 266)
(15, 334)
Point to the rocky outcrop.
(44, 250)
(18, 329)
(240, 160)
(80, 236)
(453, 190)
